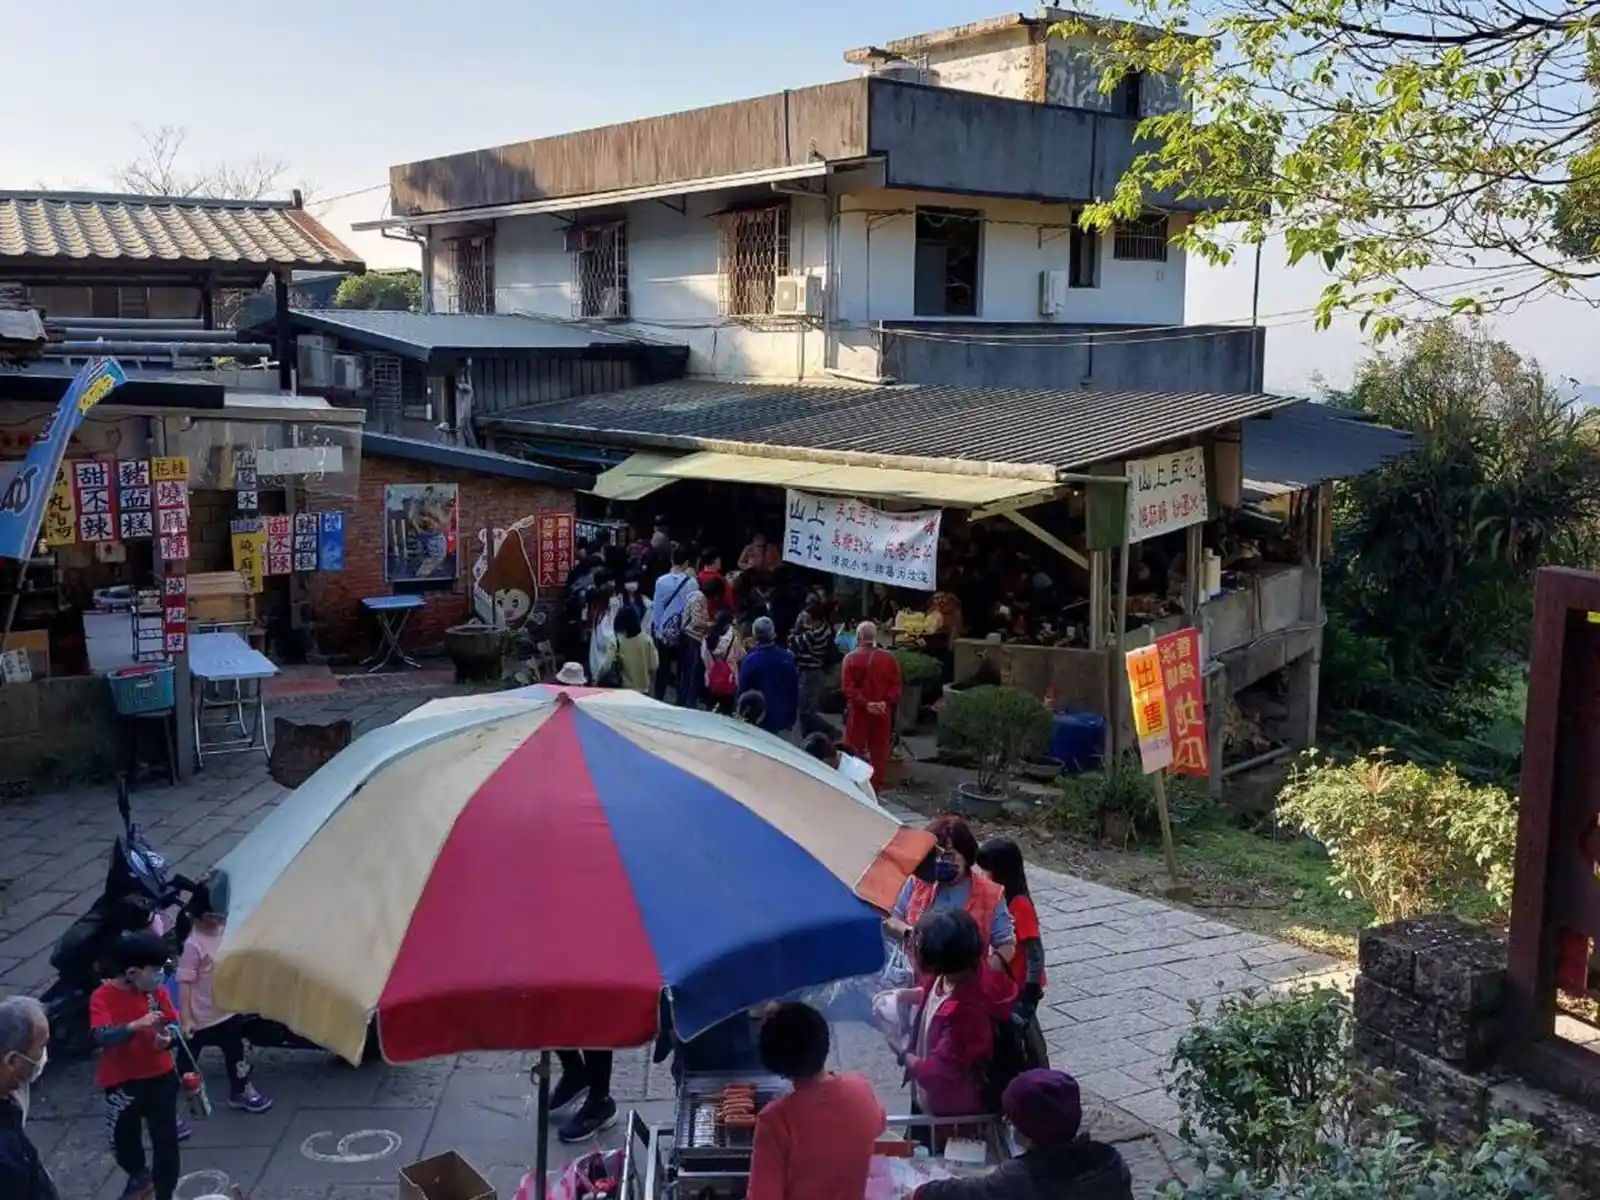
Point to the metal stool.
(161, 722)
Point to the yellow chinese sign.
(169, 470)
(1149, 696)
(60, 526)
(249, 548)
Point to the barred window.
(471, 287)
(1142, 240)
(600, 270)
(754, 252)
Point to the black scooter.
(137, 888)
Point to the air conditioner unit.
(349, 373)
(581, 237)
(797, 296)
(1053, 293)
(315, 363)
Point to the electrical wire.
(322, 201)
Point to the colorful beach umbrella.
(531, 870)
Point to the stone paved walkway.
(1123, 973)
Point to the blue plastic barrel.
(1078, 740)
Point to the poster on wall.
(330, 541)
(848, 537)
(420, 542)
(1166, 493)
(556, 533)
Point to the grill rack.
(696, 1135)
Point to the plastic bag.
(592, 1176)
(899, 1178)
(897, 971)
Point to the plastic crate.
(141, 688)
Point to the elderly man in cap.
(24, 1033)
(1046, 1113)
(770, 670)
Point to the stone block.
(1395, 1014)
(1569, 1133)
(1462, 968)
(1467, 1040)
(1389, 953)
(1373, 1049)
(1452, 1102)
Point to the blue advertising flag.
(22, 506)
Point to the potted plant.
(997, 727)
(918, 673)
(1126, 798)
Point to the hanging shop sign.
(1184, 685)
(175, 611)
(1149, 697)
(170, 478)
(307, 532)
(246, 483)
(249, 550)
(849, 537)
(280, 546)
(61, 513)
(557, 532)
(136, 504)
(22, 505)
(420, 542)
(95, 500)
(1166, 493)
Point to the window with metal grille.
(1143, 240)
(948, 263)
(754, 252)
(599, 270)
(471, 275)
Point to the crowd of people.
(756, 644)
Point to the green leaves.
(1379, 141)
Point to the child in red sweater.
(1001, 860)
(131, 1017)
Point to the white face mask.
(22, 1093)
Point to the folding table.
(228, 676)
(392, 613)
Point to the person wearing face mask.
(131, 1017)
(24, 1036)
(947, 880)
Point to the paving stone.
(1159, 1012)
(1290, 970)
(1148, 1164)
(1112, 1084)
(1137, 980)
(1155, 1108)
(1211, 984)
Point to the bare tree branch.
(159, 170)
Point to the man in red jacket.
(870, 679)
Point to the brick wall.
(485, 501)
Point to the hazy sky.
(343, 89)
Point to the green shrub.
(1389, 1164)
(1125, 788)
(1265, 1078)
(1403, 838)
(918, 670)
(998, 727)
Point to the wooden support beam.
(1029, 526)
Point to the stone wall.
(1430, 1004)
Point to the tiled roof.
(1300, 447)
(122, 231)
(1057, 428)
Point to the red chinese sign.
(555, 532)
(1185, 701)
(175, 609)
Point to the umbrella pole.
(541, 1158)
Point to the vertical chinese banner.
(135, 500)
(96, 502)
(280, 546)
(1186, 704)
(245, 481)
(61, 512)
(1149, 697)
(249, 546)
(170, 478)
(306, 533)
(555, 532)
(175, 610)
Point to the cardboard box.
(445, 1176)
(36, 644)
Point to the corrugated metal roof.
(887, 483)
(83, 228)
(429, 336)
(1053, 428)
(1308, 444)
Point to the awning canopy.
(634, 478)
(883, 483)
(1309, 444)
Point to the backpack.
(721, 679)
(672, 627)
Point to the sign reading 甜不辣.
(1166, 493)
(847, 537)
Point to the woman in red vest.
(956, 885)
